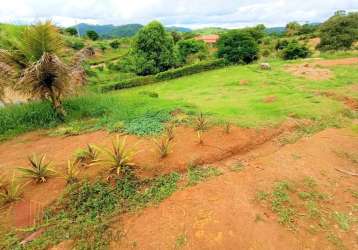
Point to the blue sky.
(187, 13)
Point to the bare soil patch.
(185, 151)
(222, 213)
(348, 101)
(310, 72)
(314, 70)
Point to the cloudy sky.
(187, 13)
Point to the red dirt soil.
(222, 213)
(312, 71)
(185, 150)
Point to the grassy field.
(244, 95)
(238, 94)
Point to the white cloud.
(189, 13)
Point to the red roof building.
(210, 39)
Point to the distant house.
(209, 39)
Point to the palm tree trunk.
(57, 105)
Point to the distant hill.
(178, 29)
(278, 30)
(127, 30)
(110, 30)
(209, 31)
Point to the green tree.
(339, 32)
(257, 32)
(35, 66)
(190, 47)
(72, 31)
(152, 51)
(238, 47)
(93, 35)
(292, 28)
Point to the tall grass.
(140, 114)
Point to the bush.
(189, 70)
(114, 44)
(71, 31)
(238, 47)
(77, 45)
(93, 35)
(295, 50)
(167, 75)
(190, 47)
(339, 32)
(281, 44)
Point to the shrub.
(339, 32)
(163, 76)
(71, 31)
(189, 70)
(295, 50)
(238, 47)
(93, 35)
(75, 44)
(190, 47)
(114, 44)
(39, 172)
(281, 44)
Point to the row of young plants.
(86, 209)
(117, 160)
(164, 76)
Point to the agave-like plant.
(118, 160)
(169, 131)
(10, 191)
(72, 172)
(40, 170)
(86, 156)
(201, 123)
(163, 146)
(227, 127)
(34, 67)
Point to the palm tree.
(34, 67)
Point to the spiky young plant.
(86, 156)
(201, 124)
(40, 170)
(72, 172)
(10, 191)
(34, 67)
(169, 131)
(163, 146)
(118, 160)
(227, 127)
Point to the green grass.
(199, 174)
(216, 93)
(85, 210)
(220, 94)
(140, 114)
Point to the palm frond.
(39, 39)
(48, 76)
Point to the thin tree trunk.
(57, 105)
